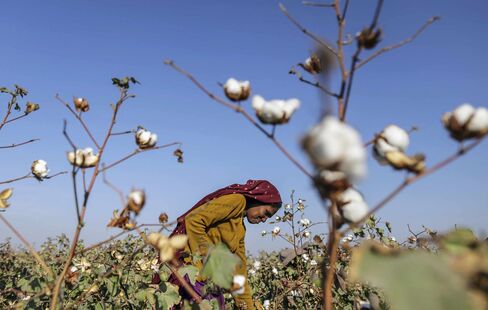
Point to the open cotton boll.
(463, 113)
(136, 201)
(351, 195)
(333, 145)
(479, 121)
(274, 111)
(396, 137)
(239, 281)
(237, 90)
(354, 211)
(39, 169)
(290, 106)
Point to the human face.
(260, 213)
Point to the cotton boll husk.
(178, 241)
(479, 122)
(396, 137)
(463, 113)
(354, 211)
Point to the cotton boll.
(351, 195)
(479, 122)
(290, 106)
(333, 144)
(237, 90)
(396, 137)
(257, 102)
(463, 113)
(274, 111)
(354, 211)
(239, 281)
(39, 169)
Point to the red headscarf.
(260, 190)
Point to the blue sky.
(74, 48)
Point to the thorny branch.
(238, 109)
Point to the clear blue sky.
(74, 48)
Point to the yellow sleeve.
(213, 212)
(243, 301)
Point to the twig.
(78, 117)
(105, 180)
(307, 32)
(315, 84)
(322, 5)
(98, 244)
(137, 151)
(185, 285)
(239, 110)
(29, 247)
(27, 176)
(18, 144)
(122, 133)
(16, 118)
(418, 177)
(400, 44)
(74, 171)
(332, 247)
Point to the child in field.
(219, 217)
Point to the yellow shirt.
(221, 220)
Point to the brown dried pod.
(369, 38)
(163, 218)
(179, 154)
(399, 160)
(81, 104)
(136, 201)
(312, 65)
(31, 107)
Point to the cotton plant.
(390, 149)
(466, 122)
(39, 169)
(145, 139)
(237, 90)
(83, 158)
(274, 112)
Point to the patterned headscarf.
(260, 190)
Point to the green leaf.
(189, 270)
(167, 297)
(459, 240)
(220, 266)
(411, 280)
